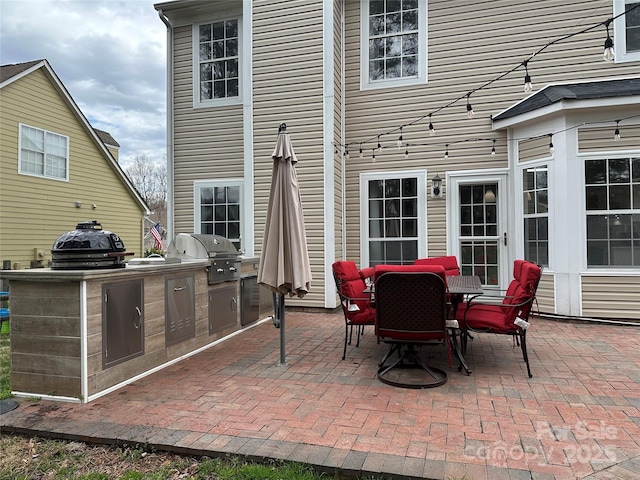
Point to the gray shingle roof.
(8, 71)
(573, 91)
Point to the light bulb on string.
(406, 153)
(446, 151)
(346, 152)
(470, 113)
(616, 134)
(493, 148)
(551, 149)
(379, 146)
(373, 155)
(360, 153)
(399, 142)
(432, 131)
(609, 54)
(528, 86)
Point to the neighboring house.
(349, 75)
(55, 170)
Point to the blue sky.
(111, 56)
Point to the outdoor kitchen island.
(79, 334)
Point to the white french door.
(477, 207)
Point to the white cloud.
(111, 56)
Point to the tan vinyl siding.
(208, 141)
(545, 295)
(533, 149)
(288, 87)
(601, 139)
(475, 30)
(36, 210)
(611, 296)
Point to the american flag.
(155, 233)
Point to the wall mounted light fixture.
(436, 187)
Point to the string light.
(361, 151)
(609, 54)
(346, 152)
(470, 113)
(616, 134)
(446, 151)
(551, 149)
(493, 148)
(399, 142)
(528, 86)
(373, 155)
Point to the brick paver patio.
(578, 417)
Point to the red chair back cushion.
(352, 285)
(380, 269)
(449, 262)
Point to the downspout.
(170, 188)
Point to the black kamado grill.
(88, 247)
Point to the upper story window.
(613, 212)
(393, 43)
(217, 69)
(626, 30)
(43, 153)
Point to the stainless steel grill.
(222, 254)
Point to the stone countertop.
(48, 274)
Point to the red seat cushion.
(485, 317)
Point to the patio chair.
(356, 305)
(503, 314)
(411, 312)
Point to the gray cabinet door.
(223, 309)
(122, 322)
(180, 302)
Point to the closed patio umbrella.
(284, 263)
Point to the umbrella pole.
(283, 359)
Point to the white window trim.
(31, 174)
(619, 34)
(421, 176)
(600, 270)
(519, 207)
(216, 102)
(231, 182)
(422, 78)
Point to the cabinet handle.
(178, 289)
(139, 318)
(234, 304)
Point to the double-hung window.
(535, 202)
(218, 206)
(393, 43)
(43, 153)
(626, 28)
(394, 226)
(217, 62)
(613, 212)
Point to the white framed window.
(626, 30)
(393, 222)
(612, 204)
(535, 209)
(393, 43)
(43, 153)
(217, 48)
(219, 209)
